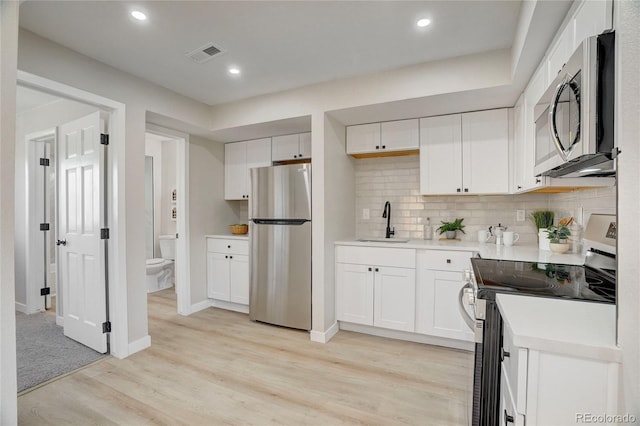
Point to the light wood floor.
(218, 367)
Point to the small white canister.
(543, 239)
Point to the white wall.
(29, 264)
(8, 65)
(627, 22)
(50, 60)
(208, 212)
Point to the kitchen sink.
(382, 240)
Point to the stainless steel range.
(595, 281)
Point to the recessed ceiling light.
(139, 15)
(234, 70)
(423, 22)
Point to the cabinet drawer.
(445, 260)
(400, 258)
(220, 245)
(509, 415)
(514, 361)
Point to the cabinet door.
(438, 313)
(258, 155)
(441, 155)
(239, 279)
(363, 138)
(592, 18)
(218, 276)
(485, 147)
(560, 52)
(508, 415)
(519, 157)
(304, 150)
(284, 147)
(394, 298)
(400, 135)
(354, 293)
(235, 170)
(535, 89)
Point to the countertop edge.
(228, 237)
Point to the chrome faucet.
(387, 215)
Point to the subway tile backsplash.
(396, 179)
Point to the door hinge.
(104, 234)
(44, 226)
(104, 139)
(45, 291)
(44, 161)
(106, 327)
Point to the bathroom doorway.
(166, 235)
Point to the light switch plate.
(365, 214)
(520, 215)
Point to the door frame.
(32, 286)
(182, 261)
(117, 251)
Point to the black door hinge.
(44, 161)
(106, 327)
(104, 234)
(44, 226)
(45, 291)
(104, 139)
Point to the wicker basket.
(239, 229)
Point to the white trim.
(60, 320)
(183, 256)
(230, 306)
(411, 337)
(118, 301)
(21, 307)
(200, 306)
(139, 345)
(324, 336)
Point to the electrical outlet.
(365, 214)
(520, 215)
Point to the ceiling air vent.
(204, 53)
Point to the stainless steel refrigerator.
(280, 244)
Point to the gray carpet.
(43, 352)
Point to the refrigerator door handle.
(280, 221)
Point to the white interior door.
(81, 213)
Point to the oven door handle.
(471, 322)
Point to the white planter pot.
(543, 241)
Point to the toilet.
(160, 270)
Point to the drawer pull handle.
(507, 418)
(230, 257)
(226, 257)
(377, 270)
(448, 260)
(228, 246)
(370, 269)
(504, 354)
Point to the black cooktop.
(542, 279)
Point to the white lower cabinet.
(545, 388)
(228, 270)
(437, 289)
(380, 295)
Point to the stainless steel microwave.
(575, 116)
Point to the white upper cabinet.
(560, 53)
(382, 138)
(592, 17)
(291, 147)
(465, 153)
(485, 152)
(239, 158)
(441, 154)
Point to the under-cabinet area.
(408, 290)
(228, 272)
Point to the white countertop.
(569, 327)
(229, 236)
(525, 253)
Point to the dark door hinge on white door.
(106, 327)
(104, 234)
(44, 162)
(44, 226)
(45, 291)
(104, 139)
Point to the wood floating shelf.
(386, 154)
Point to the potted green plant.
(558, 238)
(543, 219)
(450, 228)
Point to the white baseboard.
(411, 337)
(197, 307)
(230, 306)
(59, 320)
(21, 307)
(139, 345)
(324, 336)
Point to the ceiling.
(278, 45)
